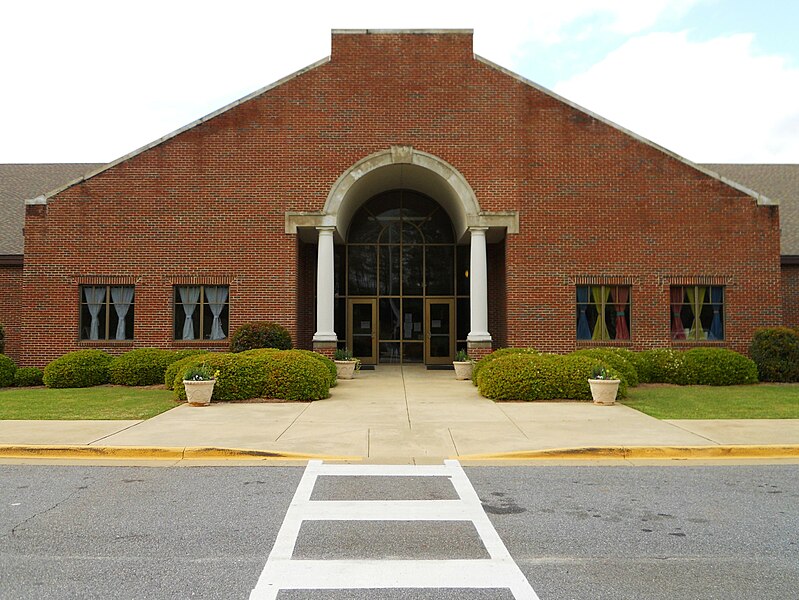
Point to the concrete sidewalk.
(402, 414)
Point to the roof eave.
(759, 198)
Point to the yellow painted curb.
(157, 453)
(644, 452)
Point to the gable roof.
(18, 182)
(780, 182)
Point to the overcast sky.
(85, 81)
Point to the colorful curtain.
(677, 329)
(600, 296)
(583, 298)
(716, 329)
(95, 298)
(696, 296)
(216, 295)
(122, 297)
(189, 296)
(620, 303)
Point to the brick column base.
(477, 350)
(325, 348)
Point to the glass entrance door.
(440, 325)
(361, 338)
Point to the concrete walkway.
(402, 414)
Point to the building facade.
(404, 198)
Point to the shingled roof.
(19, 182)
(778, 182)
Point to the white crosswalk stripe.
(284, 573)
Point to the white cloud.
(710, 101)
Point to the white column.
(324, 287)
(478, 287)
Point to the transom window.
(697, 312)
(603, 312)
(106, 312)
(201, 312)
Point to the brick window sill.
(201, 343)
(604, 343)
(105, 343)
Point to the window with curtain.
(106, 312)
(603, 312)
(697, 312)
(201, 312)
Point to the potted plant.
(603, 387)
(346, 365)
(199, 382)
(463, 365)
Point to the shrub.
(260, 334)
(528, 376)
(28, 376)
(776, 353)
(488, 358)
(7, 370)
(143, 366)
(328, 364)
(661, 365)
(715, 366)
(616, 360)
(293, 375)
(240, 377)
(84, 368)
(171, 371)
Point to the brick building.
(404, 198)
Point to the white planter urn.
(345, 369)
(198, 393)
(604, 391)
(463, 370)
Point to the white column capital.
(479, 230)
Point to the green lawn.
(102, 402)
(761, 401)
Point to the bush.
(240, 377)
(661, 365)
(143, 366)
(7, 370)
(328, 364)
(615, 360)
(527, 376)
(84, 368)
(182, 362)
(715, 366)
(293, 375)
(488, 358)
(776, 354)
(28, 376)
(260, 334)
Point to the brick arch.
(402, 167)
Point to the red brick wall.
(497, 300)
(790, 295)
(10, 314)
(211, 202)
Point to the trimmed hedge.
(7, 370)
(180, 364)
(661, 365)
(84, 368)
(775, 351)
(715, 366)
(488, 358)
(260, 334)
(293, 375)
(615, 360)
(529, 377)
(143, 366)
(328, 364)
(28, 377)
(240, 377)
